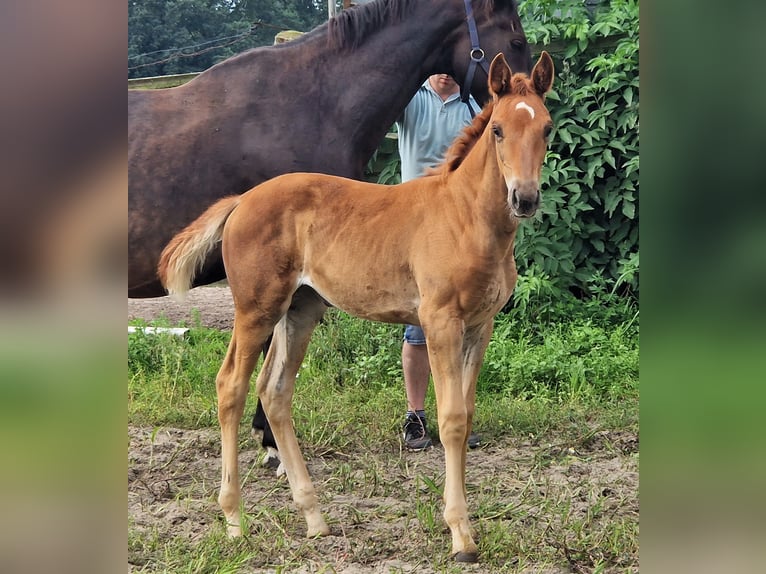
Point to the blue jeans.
(414, 335)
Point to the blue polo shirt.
(427, 127)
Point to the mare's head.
(520, 125)
(499, 31)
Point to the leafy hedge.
(587, 233)
(585, 237)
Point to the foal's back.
(354, 242)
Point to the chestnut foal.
(436, 251)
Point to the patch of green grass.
(591, 354)
(172, 379)
(214, 553)
(556, 385)
(535, 376)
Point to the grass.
(557, 394)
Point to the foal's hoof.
(318, 531)
(466, 557)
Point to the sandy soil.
(174, 475)
(213, 303)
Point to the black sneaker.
(474, 440)
(415, 435)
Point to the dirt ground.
(214, 305)
(173, 477)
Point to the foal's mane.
(521, 85)
(352, 26)
(464, 143)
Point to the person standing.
(429, 124)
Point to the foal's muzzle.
(524, 198)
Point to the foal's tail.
(186, 252)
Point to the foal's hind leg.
(261, 430)
(232, 384)
(275, 385)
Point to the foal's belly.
(385, 301)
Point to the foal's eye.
(498, 131)
(547, 131)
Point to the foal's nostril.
(515, 199)
(526, 204)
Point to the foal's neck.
(481, 183)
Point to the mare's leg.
(450, 358)
(276, 384)
(232, 385)
(262, 430)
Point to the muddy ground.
(173, 477)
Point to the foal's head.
(521, 124)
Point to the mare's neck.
(377, 80)
(343, 100)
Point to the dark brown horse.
(301, 241)
(320, 103)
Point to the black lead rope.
(477, 57)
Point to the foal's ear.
(542, 74)
(499, 77)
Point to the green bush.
(554, 345)
(588, 225)
(585, 236)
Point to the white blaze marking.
(525, 106)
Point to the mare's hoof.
(271, 458)
(466, 557)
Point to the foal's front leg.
(444, 336)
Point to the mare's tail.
(186, 252)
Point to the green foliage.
(385, 165)
(586, 233)
(554, 346)
(588, 225)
